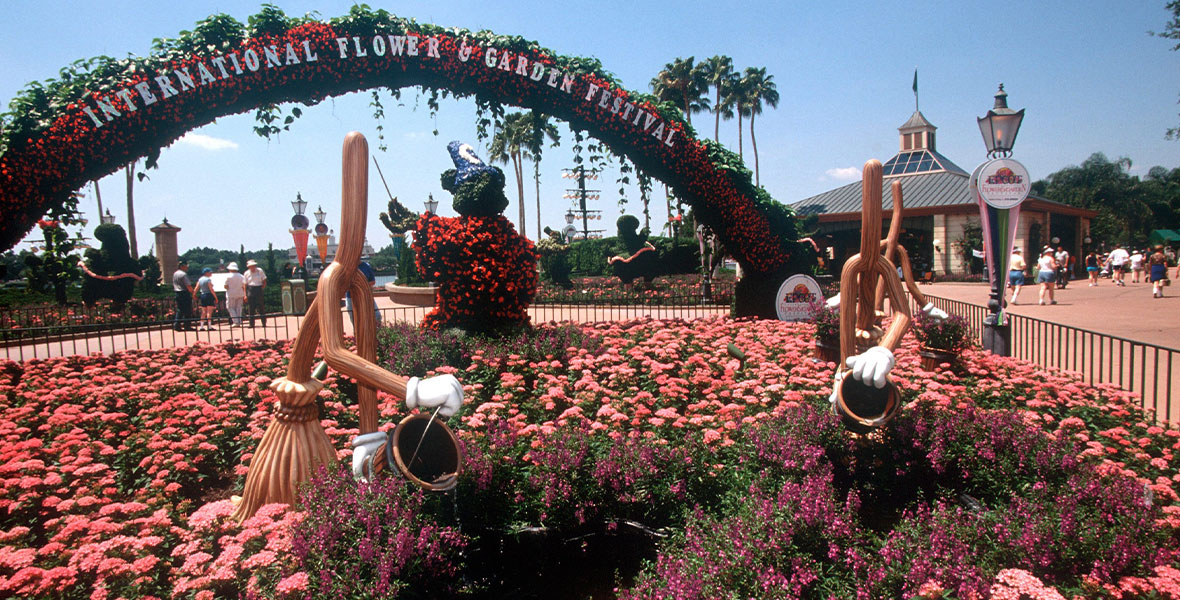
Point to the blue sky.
(1089, 75)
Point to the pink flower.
(292, 584)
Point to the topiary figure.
(641, 260)
(486, 271)
(555, 264)
(110, 272)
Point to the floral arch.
(104, 113)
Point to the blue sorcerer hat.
(467, 164)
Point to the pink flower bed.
(116, 471)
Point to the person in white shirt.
(255, 281)
(1046, 273)
(1016, 267)
(1063, 275)
(235, 295)
(1118, 260)
(1137, 265)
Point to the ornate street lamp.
(1000, 185)
(299, 231)
(108, 218)
(1000, 126)
(321, 236)
(431, 204)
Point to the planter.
(932, 358)
(827, 349)
(412, 296)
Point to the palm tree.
(539, 129)
(129, 170)
(759, 89)
(682, 83)
(736, 99)
(509, 144)
(718, 72)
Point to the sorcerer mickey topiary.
(486, 271)
(111, 272)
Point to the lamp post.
(431, 204)
(321, 236)
(108, 218)
(999, 185)
(299, 232)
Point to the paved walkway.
(1128, 312)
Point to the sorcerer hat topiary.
(467, 164)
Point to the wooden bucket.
(863, 407)
(439, 460)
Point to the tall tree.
(1172, 31)
(681, 82)
(509, 144)
(760, 89)
(540, 128)
(130, 172)
(737, 99)
(718, 73)
(1105, 186)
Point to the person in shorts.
(1046, 274)
(1118, 260)
(1092, 267)
(1157, 264)
(206, 299)
(1137, 259)
(1016, 267)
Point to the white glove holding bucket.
(935, 312)
(364, 448)
(428, 394)
(872, 366)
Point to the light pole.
(999, 186)
(108, 218)
(431, 204)
(299, 232)
(321, 236)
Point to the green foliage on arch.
(101, 113)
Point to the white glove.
(428, 394)
(934, 311)
(872, 365)
(364, 448)
(833, 302)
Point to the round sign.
(795, 297)
(321, 229)
(299, 222)
(570, 231)
(1003, 183)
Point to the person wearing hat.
(1016, 267)
(255, 281)
(235, 294)
(183, 287)
(1046, 275)
(206, 299)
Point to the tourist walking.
(1158, 272)
(1046, 273)
(235, 295)
(1016, 267)
(255, 282)
(1137, 259)
(1062, 257)
(1118, 260)
(183, 287)
(1092, 267)
(206, 299)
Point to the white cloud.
(843, 174)
(206, 142)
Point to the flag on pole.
(915, 89)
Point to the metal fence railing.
(1150, 370)
(64, 340)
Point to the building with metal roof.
(941, 214)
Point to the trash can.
(288, 300)
(299, 296)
